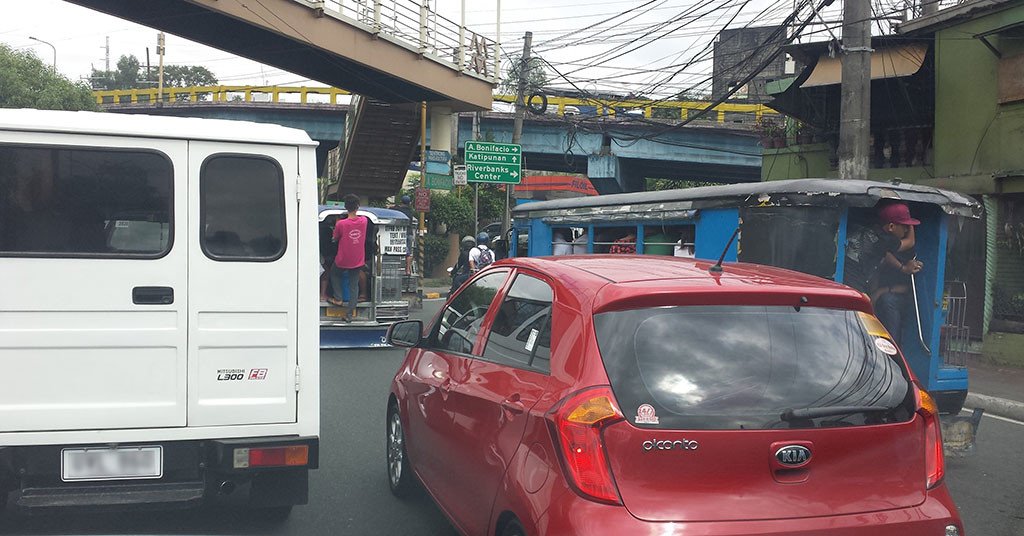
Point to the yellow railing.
(214, 94)
(675, 109)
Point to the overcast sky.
(80, 34)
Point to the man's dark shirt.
(865, 250)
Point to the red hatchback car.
(628, 395)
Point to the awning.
(889, 62)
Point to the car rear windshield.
(742, 367)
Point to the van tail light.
(935, 461)
(290, 456)
(577, 424)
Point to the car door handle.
(512, 404)
(152, 295)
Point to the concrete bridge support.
(611, 174)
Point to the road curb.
(1002, 407)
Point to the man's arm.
(907, 242)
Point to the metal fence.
(413, 24)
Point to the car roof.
(148, 126)
(637, 279)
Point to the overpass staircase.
(380, 141)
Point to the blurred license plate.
(111, 463)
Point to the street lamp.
(54, 51)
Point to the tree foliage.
(188, 76)
(454, 211)
(131, 75)
(536, 76)
(26, 82)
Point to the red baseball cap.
(896, 213)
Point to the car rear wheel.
(400, 477)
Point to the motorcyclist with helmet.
(461, 271)
(481, 255)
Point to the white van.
(158, 312)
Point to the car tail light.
(290, 456)
(935, 461)
(577, 424)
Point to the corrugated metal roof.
(770, 193)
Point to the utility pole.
(855, 101)
(107, 56)
(422, 230)
(160, 77)
(517, 126)
(477, 116)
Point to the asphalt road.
(349, 493)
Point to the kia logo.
(793, 455)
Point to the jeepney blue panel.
(844, 220)
(540, 238)
(714, 229)
(340, 337)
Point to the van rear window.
(742, 367)
(84, 202)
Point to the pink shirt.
(350, 233)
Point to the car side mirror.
(407, 333)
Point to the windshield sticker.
(532, 340)
(885, 346)
(645, 414)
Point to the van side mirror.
(407, 333)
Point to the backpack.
(485, 258)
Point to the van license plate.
(122, 463)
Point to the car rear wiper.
(791, 414)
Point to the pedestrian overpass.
(393, 54)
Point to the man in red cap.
(891, 294)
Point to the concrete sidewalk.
(997, 389)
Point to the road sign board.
(493, 158)
(439, 168)
(493, 162)
(439, 182)
(438, 156)
(492, 147)
(495, 173)
(422, 202)
(460, 176)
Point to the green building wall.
(975, 136)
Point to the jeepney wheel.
(400, 478)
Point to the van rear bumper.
(194, 473)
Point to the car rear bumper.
(194, 472)
(574, 515)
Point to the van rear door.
(242, 283)
(93, 296)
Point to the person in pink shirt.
(350, 234)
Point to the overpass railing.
(219, 94)
(412, 24)
(563, 106)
